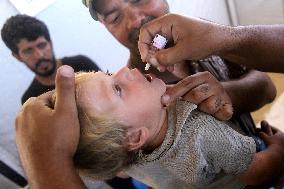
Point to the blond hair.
(102, 151)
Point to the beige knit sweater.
(197, 152)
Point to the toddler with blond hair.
(124, 127)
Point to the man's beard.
(133, 36)
(45, 63)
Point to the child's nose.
(126, 74)
(130, 76)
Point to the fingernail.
(153, 61)
(161, 68)
(66, 71)
(166, 99)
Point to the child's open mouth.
(149, 77)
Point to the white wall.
(257, 11)
(73, 32)
(215, 10)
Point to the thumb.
(171, 55)
(171, 94)
(167, 99)
(65, 90)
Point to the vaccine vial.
(159, 42)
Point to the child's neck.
(159, 136)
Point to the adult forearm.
(266, 167)
(251, 92)
(49, 175)
(258, 47)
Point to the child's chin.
(159, 85)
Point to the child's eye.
(117, 90)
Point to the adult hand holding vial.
(159, 42)
(188, 38)
(194, 39)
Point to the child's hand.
(272, 135)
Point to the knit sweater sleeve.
(222, 147)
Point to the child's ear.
(136, 138)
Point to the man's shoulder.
(35, 89)
(77, 59)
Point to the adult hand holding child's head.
(47, 138)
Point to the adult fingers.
(170, 68)
(65, 90)
(199, 94)
(185, 86)
(181, 88)
(169, 56)
(211, 105)
(225, 112)
(45, 99)
(265, 127)
(273, 129)
(147, 33)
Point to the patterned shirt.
(197, 152)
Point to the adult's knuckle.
(219, 115)
(172, 90)
(164, 58)
(184, 82)
(30, 102)
(196, 95)
(207, 107)
(206, 74)
(227, 111)
(211, 108)
(205, 88)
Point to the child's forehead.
(86, 77)
(89, 82)
(92, 87)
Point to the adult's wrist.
(230, 39)
(52, 172)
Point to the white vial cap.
(147, 67)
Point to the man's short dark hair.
(21, 27)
